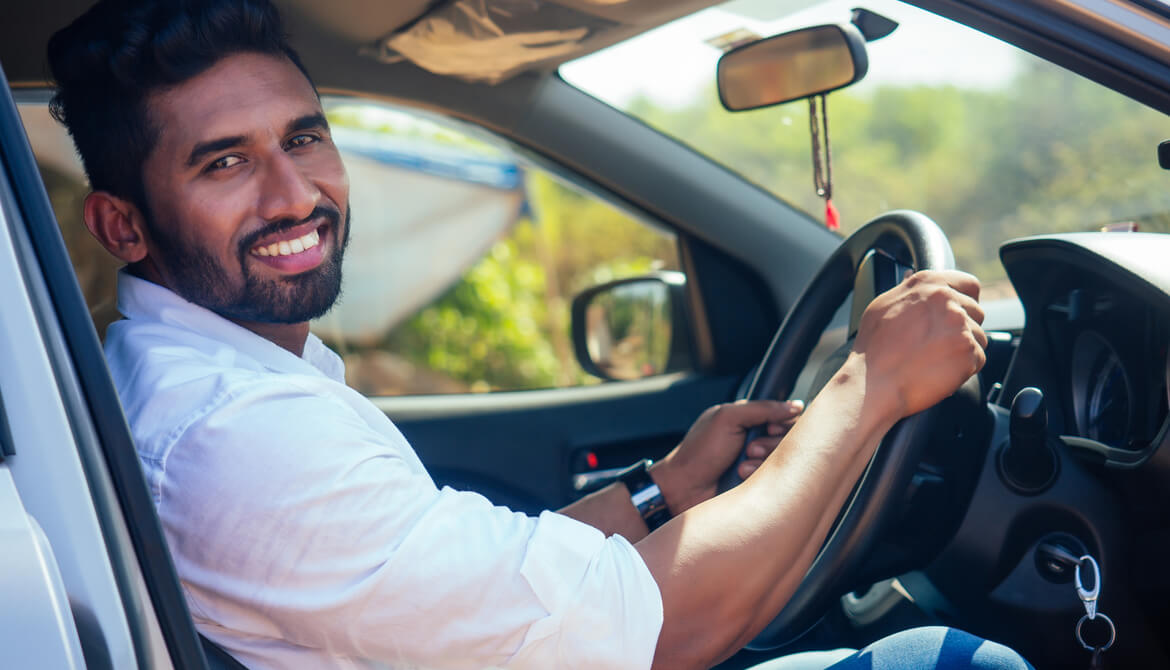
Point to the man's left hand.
(690, 473)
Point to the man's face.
(248, 198)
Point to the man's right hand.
(922, 339)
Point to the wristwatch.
(645, 494)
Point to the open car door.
(86, 578)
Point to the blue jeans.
(929, 648)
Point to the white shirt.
(307, 534)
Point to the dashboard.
(1095, 339)
(1114, 350)
(1093, 481)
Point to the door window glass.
(465, 257)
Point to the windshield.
(989, 141)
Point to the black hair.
(110, 60)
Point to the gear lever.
(1028, 462)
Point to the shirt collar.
(143, 300)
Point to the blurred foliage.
(488, 328)
(505, 324)
(1048, 152)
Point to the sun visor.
(488, 41)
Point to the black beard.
(197, 276)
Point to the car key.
(1089, 598)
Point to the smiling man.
(304, 528)
(247, 199)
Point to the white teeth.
(289, 247)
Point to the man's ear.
(117, 224)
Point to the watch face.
(645, 494)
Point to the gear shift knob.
(1028, 462)
(1029, 418)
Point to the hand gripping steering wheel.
(868, 262)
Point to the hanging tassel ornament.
(818, 123)
(832, 218)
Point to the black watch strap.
(645, 494)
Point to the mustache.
(331, 215)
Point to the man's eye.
(301, 140)
(224, 163)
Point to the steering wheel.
(870, 261)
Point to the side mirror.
(633, 328)
(791, 66)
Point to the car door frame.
(137, 595)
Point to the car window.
(464, 257)
(989, 141)
(488, 246)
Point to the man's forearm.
(610, 511)
(726, 567)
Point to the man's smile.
(289, 247)
(297, 249)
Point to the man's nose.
(287, 191)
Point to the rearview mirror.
(791, 66)
(633, 328)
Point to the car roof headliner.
(331, 35)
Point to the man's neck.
(291, 336)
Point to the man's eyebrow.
(202, 149)
(307, 122)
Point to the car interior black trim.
(7, 446)
(683, 356)
(98, 401)
(1028, 26)
(218, 658)
(468, 404)
(740, 329)
(94, 649)
(471, 440)
(704, 347)
(1156, 6)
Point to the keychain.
(1089, 598)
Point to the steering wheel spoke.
(878, 272)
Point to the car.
(572, 249)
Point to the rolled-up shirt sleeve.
(309, 526)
